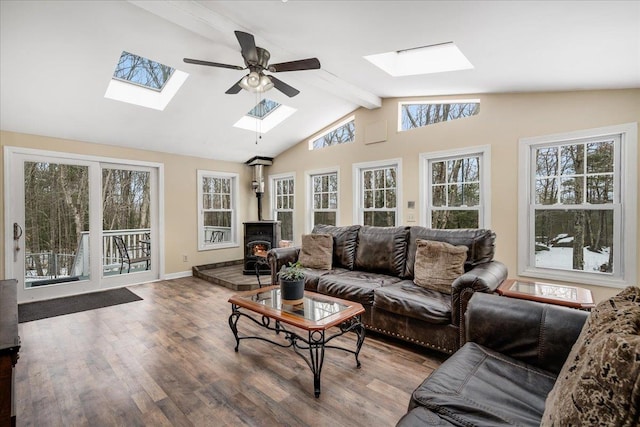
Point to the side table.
(565, 295)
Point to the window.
(419, 114)
(342, 133)
(217, 219)
(282, 203)
(457, 187)
(578, 215)
(378, 194)
(324, 197)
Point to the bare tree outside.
(142, 71)
(455, 193)
(420, 115)
(574, 190)
(379, 196)
(325, 198)
(56, 214)
(284, 203)
(340, 135)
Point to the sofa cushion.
(316, 251)
(438, 264)
(354, 285)
(600, 382)
(480, 387)
(479, 241)
(406, 299)
(312, 276)
(345, 240)
(382, 249)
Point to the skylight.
(436, 58)
(141, 81)
(266, 115)
(263, 108)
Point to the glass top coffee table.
(565, 295)
(315, 315)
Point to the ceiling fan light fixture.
(256, 82)
(265, 83)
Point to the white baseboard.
(178, 275)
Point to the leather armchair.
(513, 353)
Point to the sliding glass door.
(79, 224)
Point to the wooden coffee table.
(315, 315)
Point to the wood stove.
(259, 237)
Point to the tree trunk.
(578, 241)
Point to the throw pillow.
(316, 251)
(438, 264)
(599, 384)
(382, 249)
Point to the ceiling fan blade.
(302, 64)
(248, 45)
(284, 88)
(235, 88)
(212, 64)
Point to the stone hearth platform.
(229, 274)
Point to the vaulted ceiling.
(57, 58)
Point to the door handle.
(17, 233)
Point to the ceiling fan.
(256, 60)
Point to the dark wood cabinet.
(9, 348)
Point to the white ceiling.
(57, 58)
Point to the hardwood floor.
(169, 360)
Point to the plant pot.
(291, 292)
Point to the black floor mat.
(74, 304)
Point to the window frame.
(624, 233)
(358, 194)
(309, 175)
(203, 245)
(483, 152)
(274, 194)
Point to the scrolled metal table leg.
(360, 332)
(233, 324)
(316, 352)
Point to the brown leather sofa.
(375, 266)
(505, 371)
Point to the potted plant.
(291, 277)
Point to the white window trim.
(432, 101)
(482, 151)
(272, 190)
(235, 187)
(357, 168)
(625, 234)
(309, 192)
(331, 129)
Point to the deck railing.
(52, 265)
